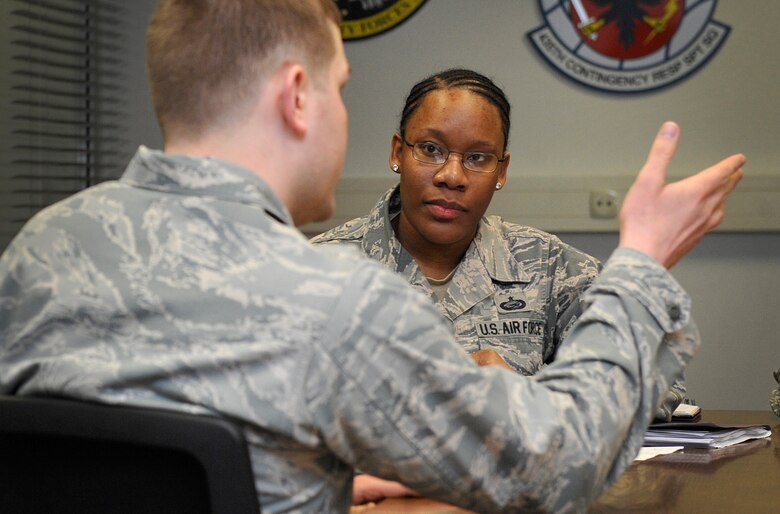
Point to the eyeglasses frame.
(449, 152)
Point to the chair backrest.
(68, 456)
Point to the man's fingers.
(731, 182)
(666, 220)
(661, 153)
(733, 179)
(729, 170)
(720, 180)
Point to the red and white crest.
(627, 29)
(628, 46)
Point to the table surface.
(740, 478)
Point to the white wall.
(560, 129)
(732, 104)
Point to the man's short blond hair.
(206, 58)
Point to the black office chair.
(65, 456)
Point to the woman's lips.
(441, 209)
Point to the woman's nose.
(452, 174)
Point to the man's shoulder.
(352, 231)
(349, 262)
(363, 283)
(91, 201)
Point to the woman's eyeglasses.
(429, 152)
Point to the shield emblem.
(628, 46)
(626, 29)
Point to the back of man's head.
(206, 59)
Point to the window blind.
(62, 120)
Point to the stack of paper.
(702, 435)
(710, 455)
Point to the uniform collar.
(379, 241)
(204, 177)
(495, 253)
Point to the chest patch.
(510, 302)
(510, 327)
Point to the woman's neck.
(434, 260)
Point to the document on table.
(702, 435)
(648, 452)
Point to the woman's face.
(442, 204)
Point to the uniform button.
(674, 312)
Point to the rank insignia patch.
(366, 18)
(628, 46)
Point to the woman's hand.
(490, 357)
(367, 488)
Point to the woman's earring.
(395, 168)
(498, 186)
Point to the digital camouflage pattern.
(184, 286)
(517, 289)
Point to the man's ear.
(293, 98)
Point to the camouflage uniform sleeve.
(574, 272)
(391, 393)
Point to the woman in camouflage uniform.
(509, 290)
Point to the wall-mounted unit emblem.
(628, 46)
(366, 18)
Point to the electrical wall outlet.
(604, 203)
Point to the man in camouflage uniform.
(184, 285)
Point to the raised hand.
(665, 221)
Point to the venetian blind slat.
(63, 108)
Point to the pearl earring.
(498, 186)
(395, 168)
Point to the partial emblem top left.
(366, 18)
